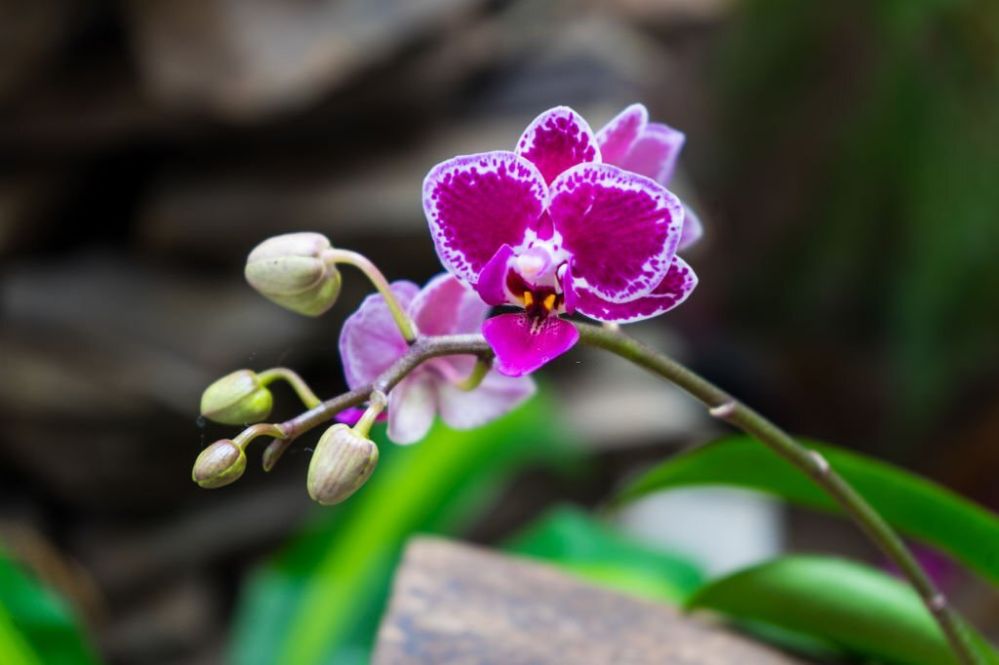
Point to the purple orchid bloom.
(370, 342)
(553, 229)
(650, 149)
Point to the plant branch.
(371, 271)
(725, 407)
(421, 350)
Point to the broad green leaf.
(36, 626)
(912, 504)
(580, 544)
(858, 609)
(320, 601)
(14, 648)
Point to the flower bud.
(219, 464)
(290, 271)
(342, 463)
(236, 399)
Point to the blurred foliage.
(36, 626)
(913, 505)
(321, 599)
(879, 124)
(580, 544)
(860, 610)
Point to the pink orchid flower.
(554, 229)
(650, 149)
(370, 342)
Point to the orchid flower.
(553, 229)
(650, 149)
(370, 342)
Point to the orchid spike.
(370, 343)
(554, 229)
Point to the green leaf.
(855, 608)
(36, 626)
(321, 600)
(580, 544)
(912, 504)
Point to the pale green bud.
(342, 463)
(237, 399)
(219, 464)
(290, 271)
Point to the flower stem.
(297, 383)
(252, 432)
(725, 407)
(372, 272)
(376, 404)
(475, 377)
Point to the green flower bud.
(219, 464)
(236, 399)
(290, 271)
(342, 463)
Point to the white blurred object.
(721, 529)
(611, 403)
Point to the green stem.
(475, 377)
(252, 432)
(725, 407)
(371, 271)
(297, 383)
(376, 404)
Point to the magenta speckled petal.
(521, 347)
(446, 306)
(617, 136)
(370, 341)
(557, 140)
(491, 284)
(622, 229)
(477, 203)
(692, 229)
(673, 290)
(495, 396)
(412, 405)
(655, 152)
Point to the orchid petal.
(617, 136)
(353, 414)
(655, 152)
(692, 229)
(621, 229)
(412, 405)
(678, 284)
(446, 306)
(522, 345)
(491, 283)
(494, 397)
(370, 340)
(557, 140)
(477, 203)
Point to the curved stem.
(371, 271)
(725, 407)
(297, 383)
(476, 376)
(420, 351)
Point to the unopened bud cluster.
(220, 464)
(342, 462)
(237, 399)
(290, 271)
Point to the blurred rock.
(250, 58)
(170, 622)
(31, 33)
(224, 525)
(99, 389)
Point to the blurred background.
(843, 157)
